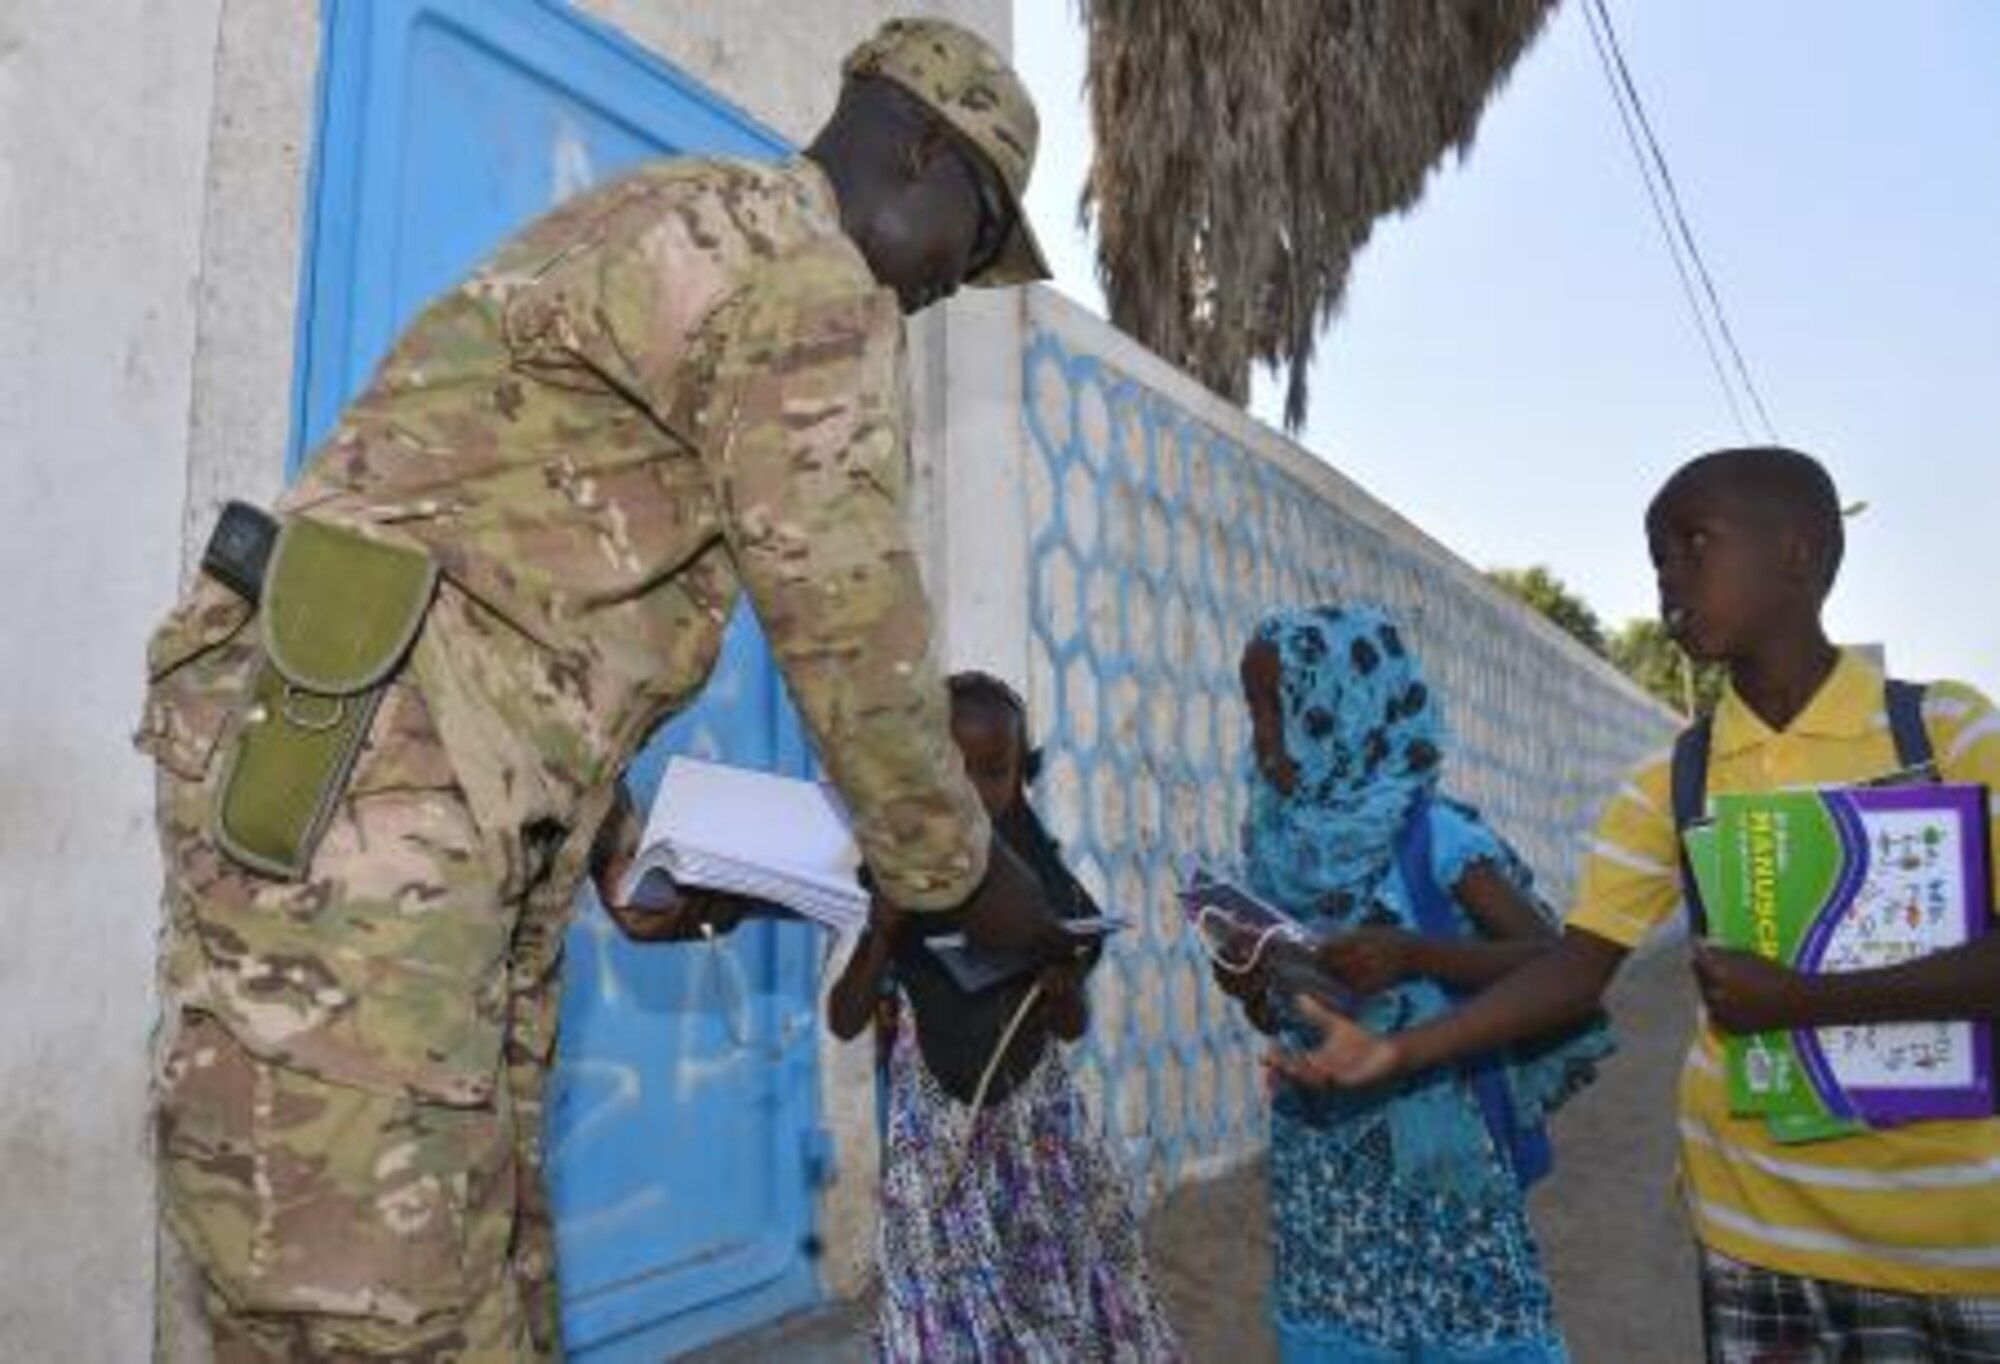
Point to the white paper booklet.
(753, 833)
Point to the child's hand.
(1370, 960)
(680, 915)
(1745, 993)
(1348, 1055)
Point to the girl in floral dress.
(1006, 1231)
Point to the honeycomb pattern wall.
(1156, 542)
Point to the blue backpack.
(1524, 1145)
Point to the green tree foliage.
(1641, 649)
(1548, 594)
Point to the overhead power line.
(1711, 322)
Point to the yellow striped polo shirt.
(1916, 1208)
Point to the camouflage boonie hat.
(967, 84)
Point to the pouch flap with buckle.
(338, 616)
(340, 610)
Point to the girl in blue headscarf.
(1401, 1226)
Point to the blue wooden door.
(683, 1113)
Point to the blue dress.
(1401, 1233)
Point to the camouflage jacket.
(678, 385)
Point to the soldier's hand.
(615, 844)
(660, 911)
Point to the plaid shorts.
(1760, 1316)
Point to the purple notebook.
(1854, 879)
(1242, 932)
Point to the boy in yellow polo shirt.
(1880, 1246)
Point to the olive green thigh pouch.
(338, 615)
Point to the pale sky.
(1516, 370)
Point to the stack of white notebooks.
(772, 838)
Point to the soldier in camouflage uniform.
(681, 386)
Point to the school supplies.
(974, 969)
(779, 839)
(1242, 933)
(1847, 879)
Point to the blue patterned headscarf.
(1365, 735)
(1364, 732)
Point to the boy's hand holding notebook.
(1835, 879)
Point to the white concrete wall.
(105, 109)
(261, 143)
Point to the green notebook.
(1847, 879)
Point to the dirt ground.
(1613, 1234)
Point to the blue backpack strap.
(1413, 859)
(1526, 1150)
(1690, 796)
(1905, 703)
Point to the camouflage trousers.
(349, 1093)
(334, 1224)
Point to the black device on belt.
(239, 548)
